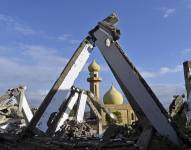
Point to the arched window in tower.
(95, 89)
(95, 74)
(132, 116)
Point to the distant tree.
(72, 113)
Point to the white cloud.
(165, 92)
(147, 74)
(37, 67)
(165, 70)
(64, 37)
(13, 24)
(168, 12)
(24, 29)
(161, 71)
(16, 25)
(67, 38)
(35, 97)
(74, 41)
(43, 55)
(186, 51)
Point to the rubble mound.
(73, 129)
(11, 119)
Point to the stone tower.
(94, 78)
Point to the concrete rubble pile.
(72, 135)
(75, 135)
(73, 129)
(177, 111)
(11, 117)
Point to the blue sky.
(37, 38)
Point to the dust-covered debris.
(73, 129)
(11, 119)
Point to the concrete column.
(187, 76)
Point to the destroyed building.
(50, 127)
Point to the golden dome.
(94, 67)
(112, 96)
